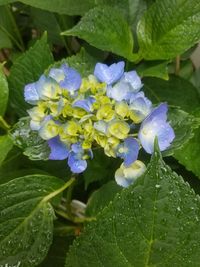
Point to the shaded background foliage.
(157, 38)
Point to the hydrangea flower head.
(77, 114)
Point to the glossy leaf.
(6, 145)
(26, 69)
(189, 154)
(168, 29)
(26, 219)
(176, 91)
(184, 126)
(4, 91)
(154, 222)
(102, 197)
(106, 29)
(29, 141)
(153, 69)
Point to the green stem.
(3, 124)
(60, 190)
(178, 65)
(74, 219)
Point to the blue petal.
(57, 74)
(59, 150)
(85, 104)
(140, 105)
(76, 164)
(31, 94)
(125, 176)
(47, 88)
(156, 125)
(77, 148)
(128, 150)
(72, 81)
(133, 80)
(109, 74)
(120, 91)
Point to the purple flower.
(31, 94)
(125, 176)
(109, 74)
(140, 107)
(85, 104)
(120, 91)
(75, 160)
(156, 125)
(133, 80)
(68, 78)
(128, 151)
(59, 150)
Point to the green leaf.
(153, 69)
(106, 29)
(82, 62)
(29, 141)
(101, 198)
(57, 253)
(154, 222)
(26, 69)
(184, 126)
(176, 91)
(9, 32)
(47, 21)
(26, 219)
(5, 2)
(4, 91)
(6, 145)
(169, 28)
(189, 154)
(69, 7)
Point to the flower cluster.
(75, 115)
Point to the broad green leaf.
(169, 28)
(69, 7)
(154, 222)
(105, 28)
(100, 169)
(184, 126)
(5, 40)
(57, 253)
(5, 2)
(4, 91)
(29, 141)
(101, 198)
(26, 69)
(47, 21)
(176, 91)
(82, 62)
(9, 32)
(131, 9)
(26, 219)
(195, 79)
(153, 69)
(189, 154)
(6, 145)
